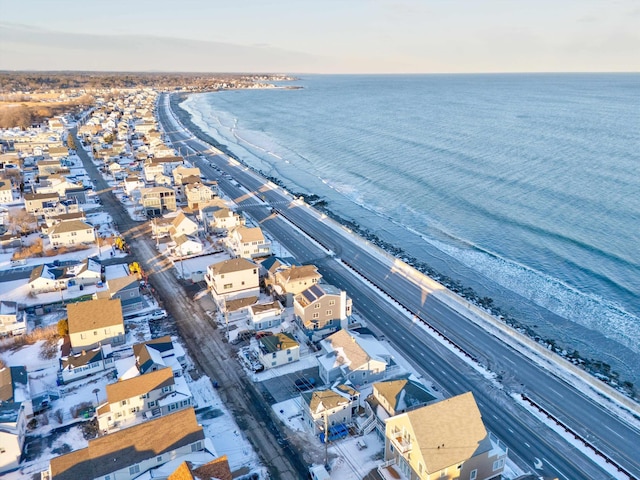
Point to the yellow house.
(446, 440)
(95, 322)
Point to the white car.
(158, 314)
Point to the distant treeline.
(44, 81)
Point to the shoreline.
(479, 292)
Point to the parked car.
(158, 314)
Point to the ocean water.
(525, 187)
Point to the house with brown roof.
(35, 203)
(71, 232)
(198, 194)
(321, 310)
(444, 440)
(130, 452)
(154, 167)
(6, 192)
(278, 349)
(95, 322)
(287, 281)
(248, 242)
(217, 469)
(127, 289)
(182, 225)
(181, 172)
(233, 279)
(84, 364)
(332, 405)
(265, 315)
(142, 397)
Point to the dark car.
(305, 384)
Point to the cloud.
(27, 48)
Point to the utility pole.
(326, 439)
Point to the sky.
(321, 36)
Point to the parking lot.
(283, 387)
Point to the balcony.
(401, 444)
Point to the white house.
(187, 245)
(232, 279)
(248, 242)
(334, 406)
(217, 217)
(73, 232)
(15, 411)
(86, 363)
(265, 315)
(278, 349)
(12, 321)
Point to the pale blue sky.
(325, 36)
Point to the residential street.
(212, 356)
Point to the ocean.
(524, 187)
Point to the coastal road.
(211, 353)
(528, 438)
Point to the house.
(15, 411)
(95, 322)
(72, 232)
(47, 278)
(87, 272)
(160, 226)
(265, 315)
(127, 290)
(134, 399)
(218, 218)
(182, 225)
(12, 321)
(352, 357)
(130, 452)
(156, 201)
(58, 152)
(217, 469)
(247, 242)
(154, 167)
(53, 218)
(181, 172)
(34, 203)
(334, 406)
(198, 194)
(391, 398)
(86, 363)
(445, 440)
(186, 245)
(278, 349)
(321, 310)
(131, 183)
(6, 193)
(49, 167)
(232, 279)
(286, 281)
(159, 353)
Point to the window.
(473, 474)
(316, 315)
(134, 469)
(332, 302)
(443, 473)
(498, 464)
(317, 305)
(329, 312)
(95, 333)
(83, 335)
(159, 458)
(166, 389)
(123, 402)
(273, 355)
(151, 404)
(228, 286)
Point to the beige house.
(95, 322)
(71, 232)
(49, 167)
(6, 193)
(445, 440)
(154, 167)
(278, 349)
(130, 452)
(218, 218)
(181, 172)
(198, 194)
(288, 281)
(182, 225)
(58, 152)
(321, 310)
(35, 203)
(248, 242)
(157, 200)
(233, 279)
(142, 397)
